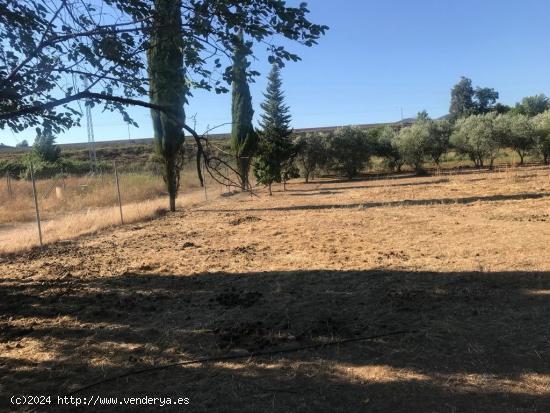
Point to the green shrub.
(349, 151)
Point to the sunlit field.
(79, 205)
(455, 265)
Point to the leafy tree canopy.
(55, 54)
(465, 100)
(533, 105)
(44, 146)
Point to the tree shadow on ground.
(336, 188)
(400, 203)
(481, 341)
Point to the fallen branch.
(239, 356)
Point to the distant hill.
(213, 136)
(223, 136)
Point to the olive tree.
(477, 137)
(311, 153)
(412, 144)
(387, 148)
(348, 151)
(517, 132)
(439, 133)
(541, 124)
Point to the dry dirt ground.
(462, 262)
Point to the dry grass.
(461, 260)
(59, 196)
(85, 206)
(74, 194)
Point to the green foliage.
(533, 105)
(541, 123)
(485, 99)
(387, 148)
(477, 137)
(20, 168)
(312, 153)
(12, 167)
(22, 144)
(412, 144)
(422, 116)
(462, 98)
(465, 100)
(349, 151)
(438, 139)
(275, 119)
(270, 158)
(44, 146)
(277, 151)
(501, 109)
(244, 139)
(168, 88)
(48, 44)
(517, 132)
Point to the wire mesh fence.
(62, 206)
(37, 210)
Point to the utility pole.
(90, 127)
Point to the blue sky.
(383, 56)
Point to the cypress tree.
(168, 88)
(244, 139)
(276, 148)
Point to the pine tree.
(275, 121)
(44, 146)
(275, 160)
(244, 139)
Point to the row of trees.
(56, 57)
(467, 100)
(348, 150)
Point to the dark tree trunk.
(243, 167)
(521, 156)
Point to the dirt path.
(461, 260)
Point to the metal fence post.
(118, 193)
(8, 183)
(36, 205)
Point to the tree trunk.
(521, 156)
(199, 172)
(270, 193)
(243, 167)
(171, 179)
